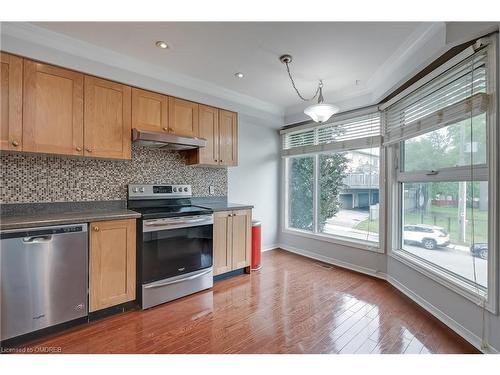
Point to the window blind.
(450, 97)
(354, 132)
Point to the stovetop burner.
(163, 201)
(170, 211)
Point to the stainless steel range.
(174, 243)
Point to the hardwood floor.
(292, 305)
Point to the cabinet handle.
(166, 129)
(78, 149)
(15, 143)
(96, 228)
(88, 149)
(170, 130)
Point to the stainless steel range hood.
(166, 141)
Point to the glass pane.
(300, 193)
(446, 223)
(349, 194)
(452, 146)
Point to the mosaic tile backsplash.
(29, 178)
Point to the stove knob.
(141, 190)
(135, 190)
(186, 189)
(174, 190)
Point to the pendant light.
(319, 112)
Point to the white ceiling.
(339, 53)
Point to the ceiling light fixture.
(161, 44)
(239, 75)
(319, 112)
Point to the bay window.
(443, 140)
(332, 174)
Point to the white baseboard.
(335, 262)
(270, 247)
(444, 318)
(472, 338)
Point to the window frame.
(488, 172)
(332, 238)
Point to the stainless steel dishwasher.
(44, 277)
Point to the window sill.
(462, 288)
(344, 241)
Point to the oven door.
(176, 246)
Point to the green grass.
(445, 217)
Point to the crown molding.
(426, 43)
(13, 34)
(23, 38)
(422, 46)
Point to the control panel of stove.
(158, 191)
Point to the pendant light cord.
(295, 87)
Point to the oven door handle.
(178, 280)
(192, 221)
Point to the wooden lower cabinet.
(232, 240)
(112, 263)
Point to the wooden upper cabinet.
(223, 259)
(11, 96)
(228, 138)
(149, 110)
(107, 119)
(241, 241)
(52, 109)
(209, 130)
(183, 117)
(112, 271)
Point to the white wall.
(255, 180)
(459, 313)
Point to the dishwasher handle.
(37, 239)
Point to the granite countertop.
(16, 216)
(26, 215)
(220, 204)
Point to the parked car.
(480, 250)
(428, 236)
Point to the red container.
(256, 245)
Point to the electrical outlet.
(211, 190)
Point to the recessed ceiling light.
(161, 44)
(239, 75)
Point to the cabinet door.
(112, 263)
(222, 261)
(107, 119)
(209, 129)
(242, 231)
(228, 138)
(11, 96)
(183, 117)
(52, 109)
(149, 110)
